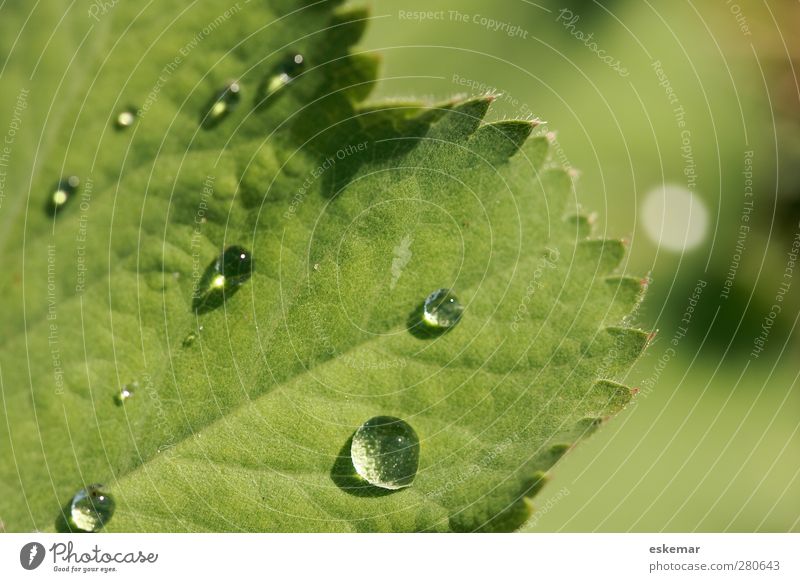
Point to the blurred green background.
(711, 443)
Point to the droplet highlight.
(385, 452)
(91, 508)
(442, 309)
(61, 195)
(125, 118)
(125, 393)
(221, 105)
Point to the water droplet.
(91, 508)
(221, 104)
(226, 274)
(191, 336)
(125, 118)
(442, 310)
(234, 266)
(62, 193)
(127, 391)
(385, 452)
(284, 73)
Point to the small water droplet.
(221, 105)
(442, 310)
(125, 118)
(292, 66)
(91, 508)
(385, 452)
(62, 194)
(127, 391)
(226, 274)
(191, 337)
(234, 266)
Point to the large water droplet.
(126, 392)
(221, 105)
(91, 508)
(125, 118)
(385, 452)
(442, 310)
(226, 274)
(62, 194)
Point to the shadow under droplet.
(417, 326)
(344, 475)
(265, 96)
(52, 210)
(210, 300)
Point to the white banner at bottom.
(402, 557)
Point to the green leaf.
(242, 414)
